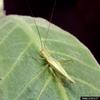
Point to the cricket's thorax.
(55, 65)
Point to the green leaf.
(25, 74)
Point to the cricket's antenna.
(29, 7)
(51, 16)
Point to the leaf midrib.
(62, 90)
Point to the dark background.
(80, 17)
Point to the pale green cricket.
(55, 64)
(52, 62)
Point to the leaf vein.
(59, 53)
(4, 24)
(17, 60)
(44, 87)
(33, 79)
(9, 33)
(86, 83)
(51, 40)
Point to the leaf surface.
(23, 74)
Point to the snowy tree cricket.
(54, 65)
